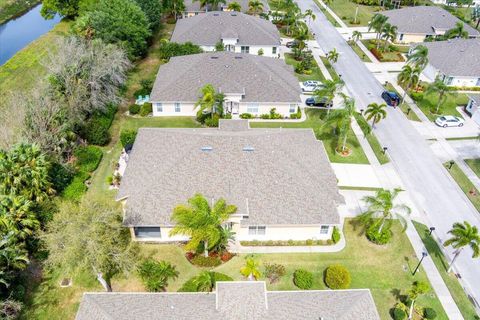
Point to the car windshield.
(443, 118)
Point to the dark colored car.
(391, 98)
(311, 102)
(292, 44)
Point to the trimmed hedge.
(398, 314)
(337, 277)
(189, 285)
(429, 313)
(203, 261)
(303, 279)
(134, 109)
(146, 109)
(336, 234)
(246, 116)
(173, 49)
(127, 137)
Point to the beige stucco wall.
(186, 109)
(281, 108)
(267, 50)
(303, 232)
(410, 38)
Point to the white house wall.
(186, 109)
(281, 108)
(464, 81)
(267, 50)
(284, 233)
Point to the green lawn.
(461, 299)
(474, 164)
(429, 102)
(465, 184)
(315, 75)
(10, 9)
(345, 10)
(373, 141)
(390, 55)
(330, 68)
(314, 120)
(330, 18)
(385, 270)
(359, 52)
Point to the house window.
(159, 107)
(324, 229)
(245, 49)
(147, 232)
(448, 80)
(274, 50)
(293, 108)
(177, 107)
(478, 83)
(252, 108)
(256, 230)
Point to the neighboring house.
(473, 107)
(415, 24)
(238, 32)
(280, 180)
(235, 300)
(455, 61)
(193, 8)
(250, 84)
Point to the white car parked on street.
(449, 121)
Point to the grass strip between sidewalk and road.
(372, 140)
(464, 183)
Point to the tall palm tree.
(457, 32)
(201, 222)
(301, 34)
(210, 101)
(356, 36)
(418, 57)
(376, 112)
(251, 269)
(205, 281)
(438, 87)
(328, 90)
(255, 7)
(408, 77)
(376, 24)
(382, 206)
(333, 55)
(234, 6)
(463, 235)
(417, 289)
(389, 33)
(311, 16)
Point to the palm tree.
(409, 77)
(463, 235)
(13, 257)
(356, 36)
(389, 34)
(201, 222)
(205, 281)
(438, 87)
(417, 289)
(255, 7)
(332, 55)
(457, 32)
(156, 274)
(418, 57)
(328, 90)
(342, 120)
(16, 215)
(226, 235)
(301, 34)
(251, 269)
(210, 101)
(382, 206)
(376, 112)
(311, 16)
(377, 22)
(215, 3)
(234, 6)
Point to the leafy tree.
(24, 172)
(418, 57)
(205, 281)
(333, 55)
(251, 269)
(66, 8)
(408, 78)
(120, 22)
(463, 235)
(382, 206)
(438, 87)
(219, 46)
(255, 7)
(328, 90)
(376, 112)
(234, 6)
(155, 274)
(457, 32)
(173, 7)
(210, 101)
(152, 10)
(17, 215)
(90, 236)
(201, 222)
(274, 271)
(418, 288)
(173, 49)
(356, 36)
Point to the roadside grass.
(411, 115)
(330, 68)
(10, 9)
(354, 188)
(24, 70)
(385, 270)
(315, 75)
(315, 119)
(372, 140)
(359, 52)
(435, 252)
(327, 14)
(429, 102)
(462, 138)
(474, 164)
(345, 10)
(465, 184)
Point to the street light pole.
(431, 230)
(384, 150)
(424, 254)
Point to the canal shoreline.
(16, 12)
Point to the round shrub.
(429, 313)
(399, 314)
(377, 237)
(246, 116)
(146, 109)
(303, 279)
(337, 277)
(127, 137)
(134, 109)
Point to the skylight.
(207, 148)
(248, 148)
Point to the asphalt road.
(428, 183)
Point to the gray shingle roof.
(232, 300)
(455, 57)
(209, 28)
(260, 79)
(286, 180)
(424, 20)
(194, 6)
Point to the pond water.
(18, 33)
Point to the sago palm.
(375, 112)
(382, 206)
(463, 235)
(201, 222)
(251, 269)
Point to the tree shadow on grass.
(358, 226)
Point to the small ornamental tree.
(337, 277)
(274, 271)
(303, 279)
